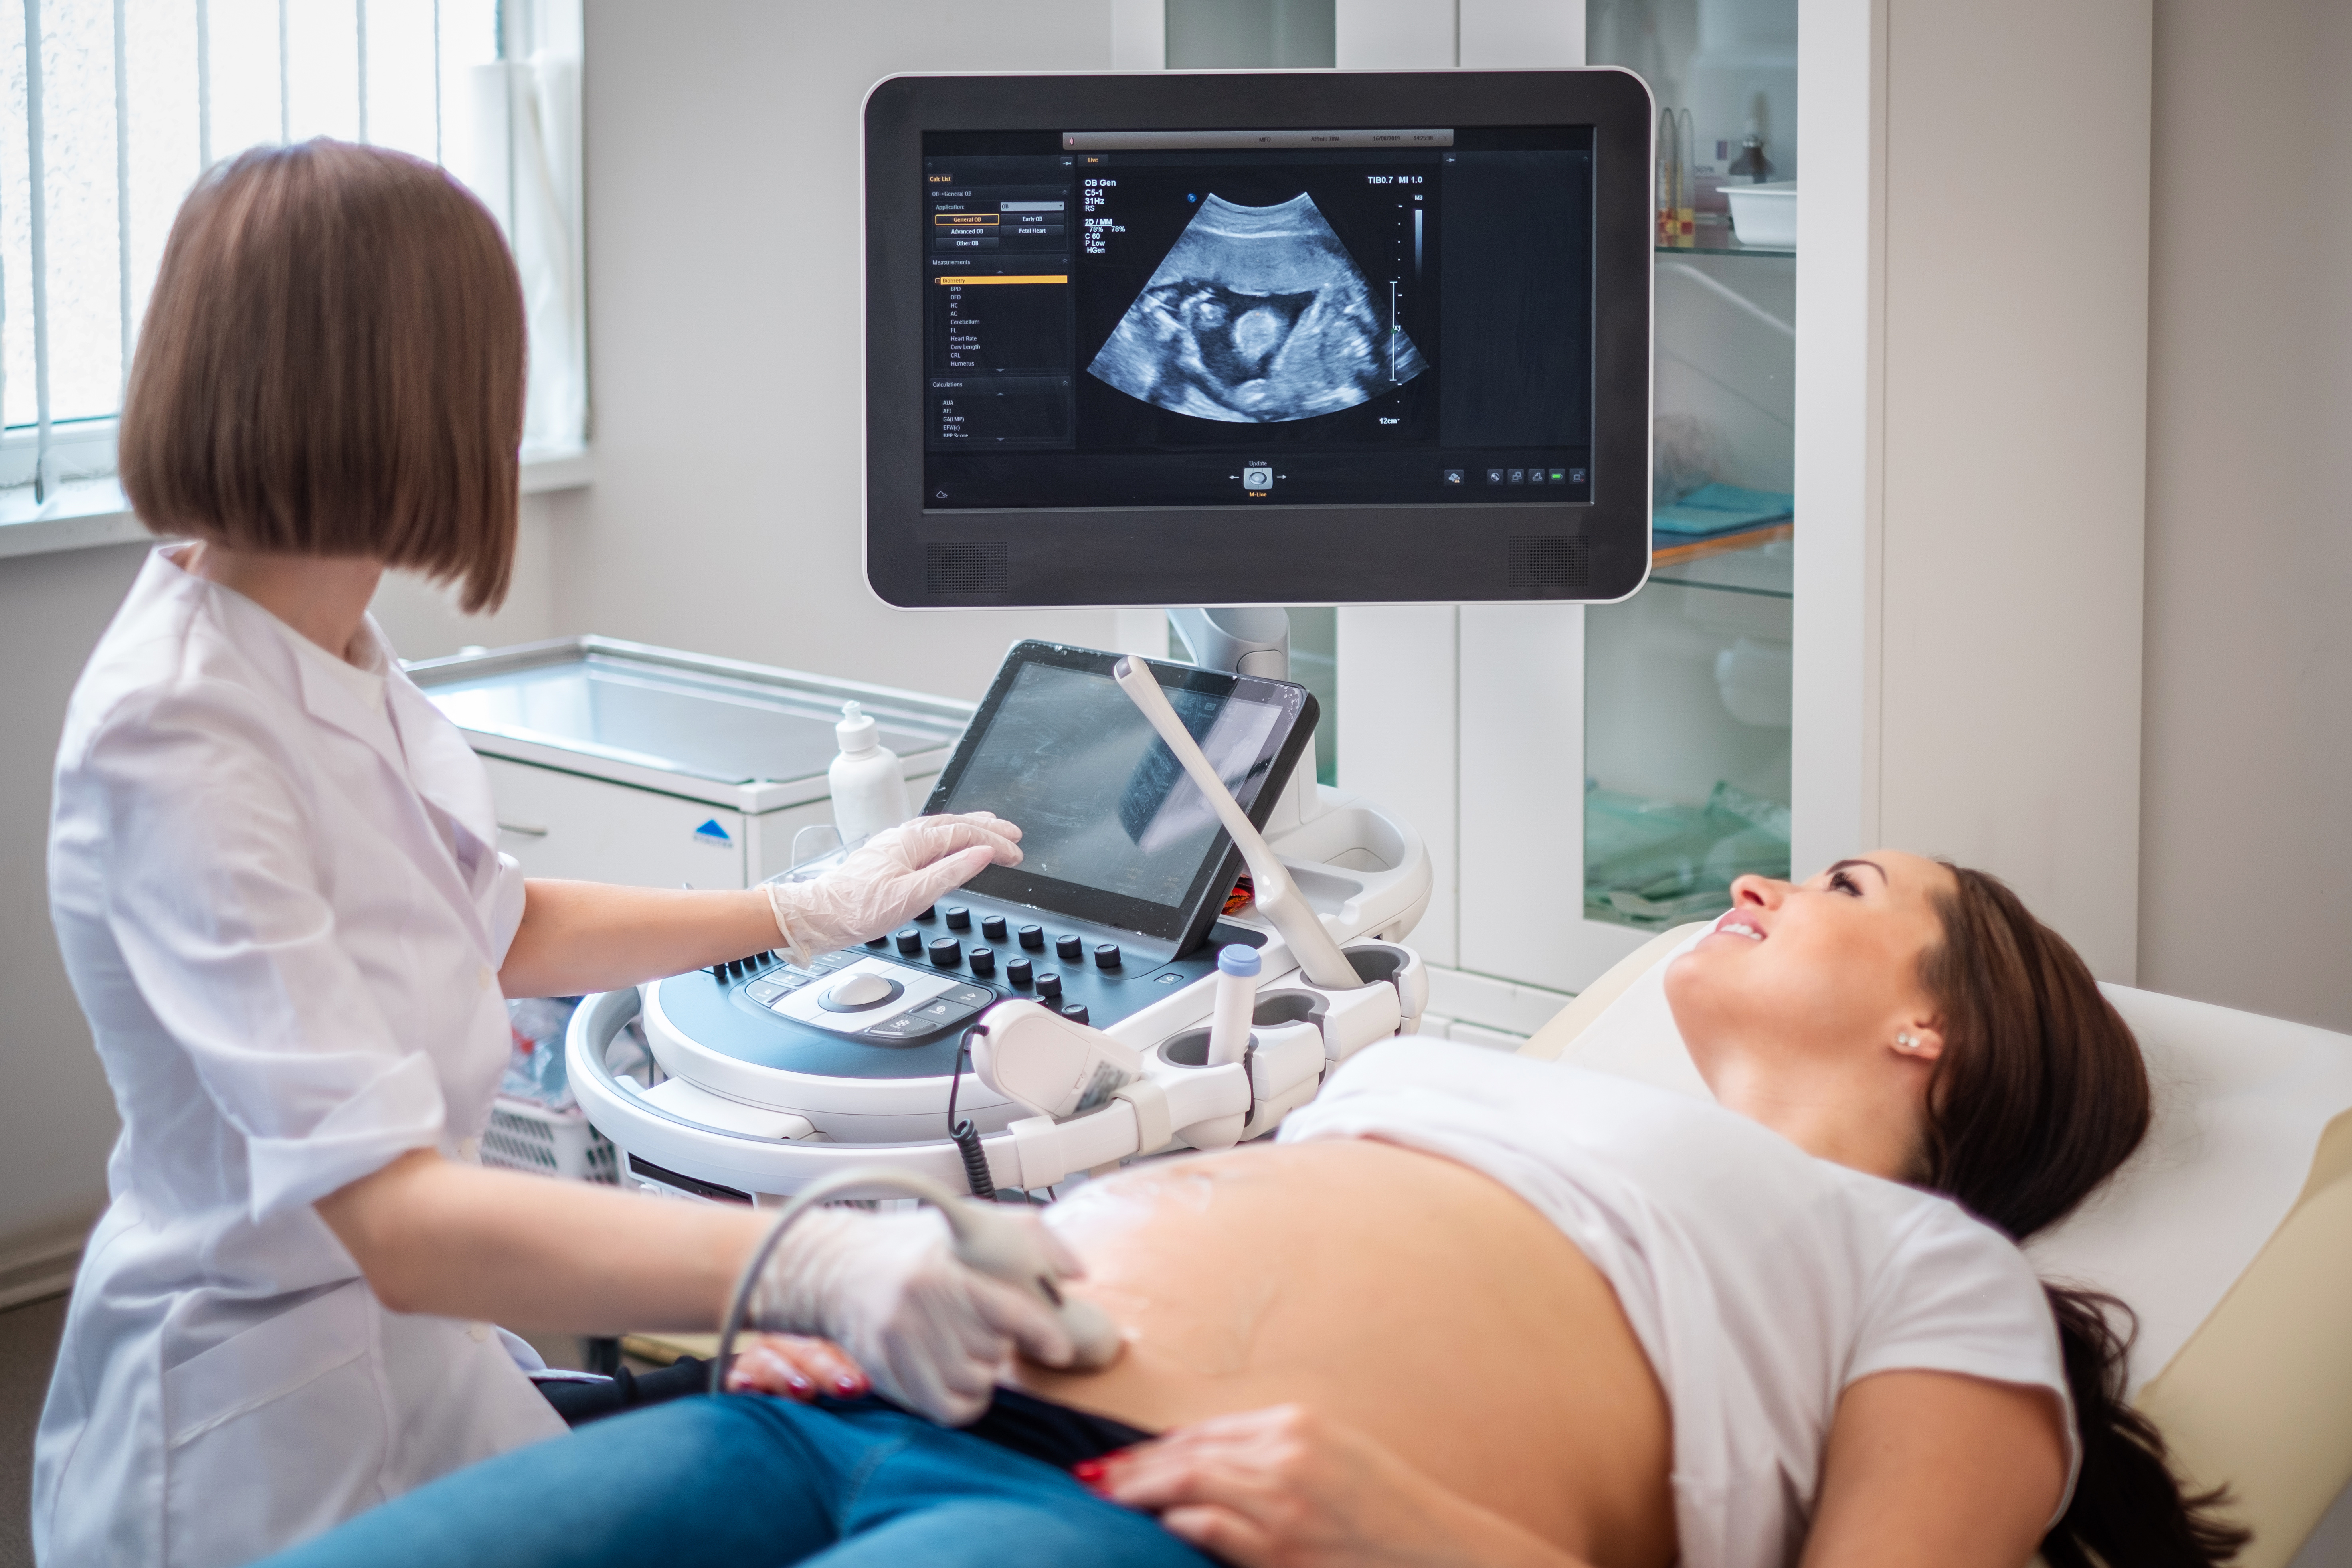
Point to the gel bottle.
(868, 784)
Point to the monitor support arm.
(1241, 639)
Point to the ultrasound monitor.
(1257, 338)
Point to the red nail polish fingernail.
(847, 1384)
(1088, 1470)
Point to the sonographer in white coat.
(274, 878)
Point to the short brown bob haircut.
(332, 364)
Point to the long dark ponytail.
(2039, 1094)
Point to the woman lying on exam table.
(1476, 1308)
(274, 876)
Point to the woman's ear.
(1920, 1040)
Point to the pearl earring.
(1906, 1041)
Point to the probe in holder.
(1278, 897)
(1229, 1023)
(1048, 1064)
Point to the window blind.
(111, 109)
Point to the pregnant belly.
(1402, 1293)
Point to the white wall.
(724, 278)
(2016, 392)
(1987, 487)
(2246, 788)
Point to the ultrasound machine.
(1194, 339)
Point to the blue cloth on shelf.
(1720, 509)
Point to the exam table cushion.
(2230, 1232)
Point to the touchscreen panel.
(1113, 830)
(1241, 317)
(1100, 801)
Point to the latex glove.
(1287, 1489)
(891, 877)
(930, 1333)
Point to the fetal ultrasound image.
(1257, 315)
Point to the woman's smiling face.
(1814, 971)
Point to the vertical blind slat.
(284, 75)
(36, 216)
(359, 8)
(204, 85)
(122, 182)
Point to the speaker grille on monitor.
(975, 568)
(1550, 560)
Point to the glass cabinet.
(1688, 696)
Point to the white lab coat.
(282, 909)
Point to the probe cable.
(976, 1174)
(809, 1197)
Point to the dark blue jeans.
(750, 1483)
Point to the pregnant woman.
(1478, 1309)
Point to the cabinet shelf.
(1760, 560)
(1687, 731)
(1717, 239)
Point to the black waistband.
(1024, 1423)
(1056, 1434)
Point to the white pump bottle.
(868, 781)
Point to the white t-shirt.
(1760, 1280)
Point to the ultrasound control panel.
(1123, 868)
(898, 1006)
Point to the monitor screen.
(1267, 337)
(1251, 318)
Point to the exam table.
(2228, 1232)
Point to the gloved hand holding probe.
(930, 1331)
(891, 877)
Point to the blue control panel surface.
(898, 1006)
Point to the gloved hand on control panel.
(892, 876)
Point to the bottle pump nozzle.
(856, 730)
